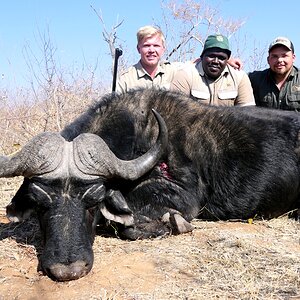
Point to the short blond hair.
(149, 31)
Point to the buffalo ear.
(115, 208)
(117, 202)
(21, 207)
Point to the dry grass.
(218, 260)
(51, 109)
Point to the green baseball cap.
(217, 41)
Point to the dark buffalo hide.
(220, 163)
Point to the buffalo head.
(66, 184)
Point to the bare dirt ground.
(218, 260)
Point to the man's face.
(151, 50)
(214, 61)
(281, 60)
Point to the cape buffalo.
(218, 163)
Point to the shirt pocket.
(200, 95)
(164, 86)
(227, 95)
(293, 98)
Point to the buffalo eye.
(93, 195)
(38, 193)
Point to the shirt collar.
(141, 72)
(294, 71)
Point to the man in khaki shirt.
(137, 77)
(149, 71)
(211, 80)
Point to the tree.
(186, 24)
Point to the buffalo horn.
(98, 159)
(40, 155)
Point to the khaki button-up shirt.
(137, 77)
(233, 87)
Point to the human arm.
(182, 81)
(236, 63)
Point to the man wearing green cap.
(211, 80)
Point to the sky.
(75, 30)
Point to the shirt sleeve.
(245, 91)
(182, 81)
(121, 86)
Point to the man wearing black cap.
(211, 80)
(278, 86)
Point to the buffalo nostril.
(61, 272)
(79, 268)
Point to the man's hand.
(235, 63)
